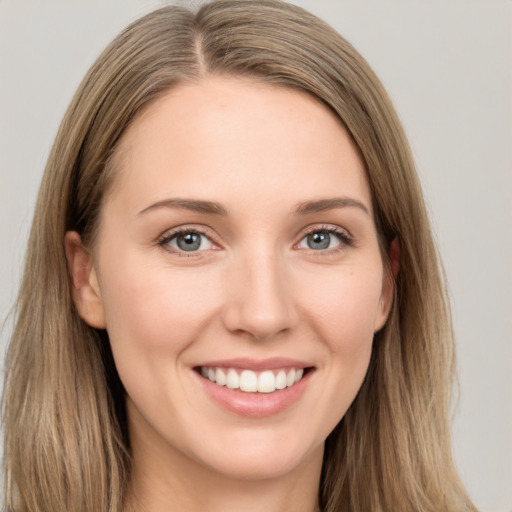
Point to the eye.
(324, 239)
(187, 241)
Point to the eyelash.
(167, 237)
(344, 238)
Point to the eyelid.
(166, 236)
(332, 228)
(344, 235)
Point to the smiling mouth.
(249, 381)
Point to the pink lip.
(255, 365)
(255, 405)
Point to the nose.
(260, 300)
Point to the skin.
(256, 289)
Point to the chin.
(260, 459)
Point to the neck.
(214, 495)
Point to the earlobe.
(84, 281)
(388, 285)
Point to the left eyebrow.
(321, 205)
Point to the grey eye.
(320, 240)
(190, 242)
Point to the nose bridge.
(260, 301)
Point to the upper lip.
(245, 363)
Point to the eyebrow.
(214, 208)
(321, 205)
(195, 205)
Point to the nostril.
(259, 304)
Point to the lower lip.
(255, 405)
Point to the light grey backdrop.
(447, 65)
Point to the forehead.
(231, 138)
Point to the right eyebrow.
(195, 205)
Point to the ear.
(84, 281)
(388, 284)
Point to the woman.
(231, 299)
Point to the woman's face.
(238, 274)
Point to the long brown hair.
(66, 442)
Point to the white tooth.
(290, 378)
(204, 372)
(248, 381)
(266, 382)
(281, 379)
(220, 377)
(232, 379)
(211, 374)
(299, 374)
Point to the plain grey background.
(447, 65)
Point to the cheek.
(345, 307)
(343, 318)
(150, 309)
